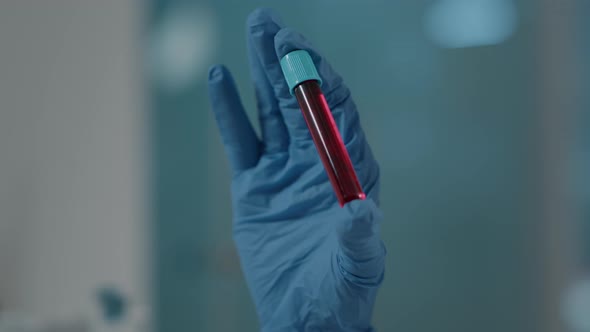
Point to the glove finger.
(274, 133)
(239, 138)
(263, 25)
(362, 254)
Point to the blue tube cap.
(297, 68)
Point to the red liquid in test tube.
(304, 83)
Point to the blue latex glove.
(310, 265)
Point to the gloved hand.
(309, 264)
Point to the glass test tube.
(304, 82)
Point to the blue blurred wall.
(454, 132)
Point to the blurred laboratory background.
(115, 207)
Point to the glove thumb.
(361, 255)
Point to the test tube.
(304, 83)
